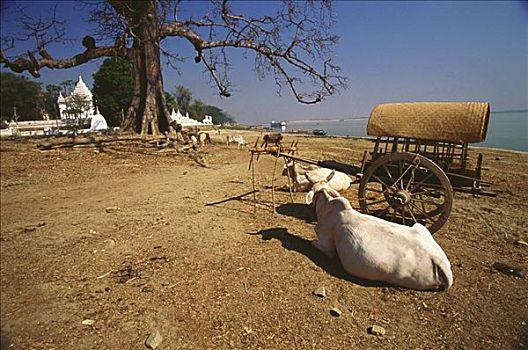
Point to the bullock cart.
(418, 161)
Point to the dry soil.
(102, 247)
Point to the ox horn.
(330, 176)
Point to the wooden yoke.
(276, 150)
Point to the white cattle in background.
(374, 249)
(204, 138)
(238, 139)
(297, 172)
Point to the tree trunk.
(147, 113)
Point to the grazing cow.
(204, 138)
(339, 182)
(272, 139)
(238, 139)
(374, 249)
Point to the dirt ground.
(99, 250)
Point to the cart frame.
(408, 179)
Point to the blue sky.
(390, 52)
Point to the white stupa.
(188, 121)
(80, 90)
(208, 120)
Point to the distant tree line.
(20, 97)
(112, 91)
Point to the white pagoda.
(208, 120)
(80, 90)
(188, 121)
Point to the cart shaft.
(329, 164)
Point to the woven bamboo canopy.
(462, 122)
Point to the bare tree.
(294, 45)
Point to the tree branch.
(294, 44)
(212, 70)
(269, 54)
(33, 65)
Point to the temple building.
(188, 121)
(81, 97)
(81, 92)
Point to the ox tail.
(443, 274)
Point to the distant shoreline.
(367, 138)
(507, 129)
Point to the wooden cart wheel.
(406, 188)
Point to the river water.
(508, 130)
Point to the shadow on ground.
(299, 211)
(304, 247)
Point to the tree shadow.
(304, 247)
(299, 211)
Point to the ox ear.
(309, 197)
(330, 176)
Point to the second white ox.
(374, 249)
(297, 172)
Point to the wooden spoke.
(388, 172)
(400, 178)
(424, 216)
(411, 179)
(420, 210)
(425, 201)
(422, 182)
(377, 201)
(400, 170)
(381, 181)
(422, 203)
(427, 191)
(412, 215)
(375, 190)
(393, 215)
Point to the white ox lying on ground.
(297, 172)
(374, 249)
